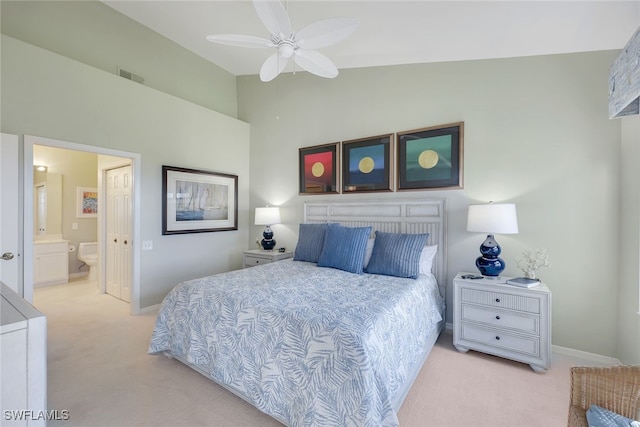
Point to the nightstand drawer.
(250, 261)
(254, 257)
(520, 322)
(527, 345)
(501, 300)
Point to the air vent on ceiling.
(129, 75)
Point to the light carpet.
(99, 370)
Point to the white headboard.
(391, 216)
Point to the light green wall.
(45, 94)
(629, 311)
(95, 34)
(536, 134)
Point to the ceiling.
(398, 31)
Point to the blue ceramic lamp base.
(268, 243)
(489, 264)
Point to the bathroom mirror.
(47, 203)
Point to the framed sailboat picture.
(197, 201)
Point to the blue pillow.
(344, 248)
(310, 242)
(396, 254)
(598, 416)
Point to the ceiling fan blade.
(326, 32)
(315, 63)
(274, 17)
(272, 67)
(240, 40)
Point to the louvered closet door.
(119, 245)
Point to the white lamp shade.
(498, 218)
(267, 216)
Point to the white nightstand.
(504, 320)
(254, 257)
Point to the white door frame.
(11, 270)
(29, 142)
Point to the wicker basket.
(616, 388)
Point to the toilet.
(88, 253)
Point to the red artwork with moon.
(318, 174)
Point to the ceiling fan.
(298, 45)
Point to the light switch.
(147, 245)
(74, 226)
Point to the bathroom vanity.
(50, 261)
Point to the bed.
(312, 343)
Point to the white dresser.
(504, 320)
(23, 357)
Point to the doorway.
(111, 159)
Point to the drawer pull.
(497, 317)
(498, 338)
(497, 299)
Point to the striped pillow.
(396, 254)
(344, 248)
(310, 242)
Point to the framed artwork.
(431, 158)
(367, 164)
(319, 169)
(87, 202)
(197, 201)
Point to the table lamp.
(493, 218)
(267, 216)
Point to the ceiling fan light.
(286, 50)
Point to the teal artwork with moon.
(429, 158)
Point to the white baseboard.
(578, 354)
(44, 285)
(591, 357)
(150, 309)
(80, 274)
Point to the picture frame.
(86, 202)
(318, 169)
(367, 164)
(431, 158)
(198, 201)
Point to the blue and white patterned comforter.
(311, 346)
